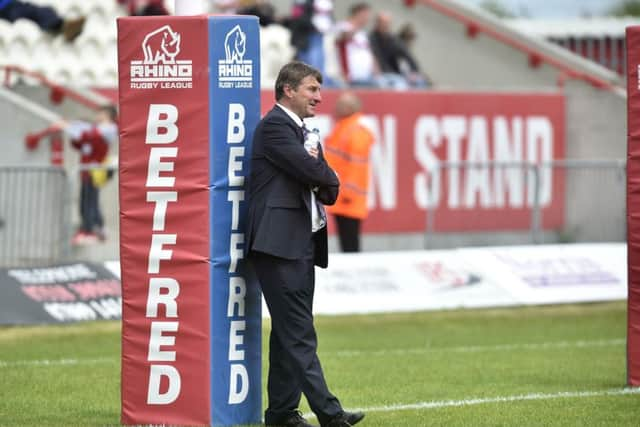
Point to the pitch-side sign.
(417, 132)
(189, 101)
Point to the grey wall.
(17, 118)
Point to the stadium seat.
(43, 57)
(18, 52)
(104, 9)
(27, 31)
(91, 58)
(85, 77)
(90, 48)
(6, 30)
(108, 77)
(61, 75)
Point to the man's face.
(304, 99)
(361, 19)
(102, 116)
(384, 23)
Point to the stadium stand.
(503, 59)
(24, 44)
(601, 40)
(89, 61)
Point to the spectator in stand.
(44, 16)
(347, 152)
(407, 63)
(92, 140)
(225, 7)
(311, 22)
(145, 7)
(231, 7)
(264, 10)
(356, 57)
(407, 35)
(399, 68)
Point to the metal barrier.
(595, 200)
(548, 202)
(34, 215)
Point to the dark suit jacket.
(282, 173)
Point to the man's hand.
(60, 124)
(313, 152)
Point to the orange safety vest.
(346, 150)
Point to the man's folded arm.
(282, 149)
(327, 194)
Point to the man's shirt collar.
(291, 114)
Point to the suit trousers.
(90, 212)
(294, 367)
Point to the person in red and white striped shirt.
(92, 140)
(356, 57)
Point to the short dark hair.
(111, 111)
(358, 7)
(292, 74)
(407, 33)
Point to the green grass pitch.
(539, 366)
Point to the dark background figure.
(44, 16)
(145, 7)
(408, 64)
(233, 7)
(393, 55)
(265, 12)
(309, 22)
(92, 140)
(287, 236)
(347, 151)
(275, 38)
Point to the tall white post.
(190, 7)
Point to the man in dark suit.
(286, 237)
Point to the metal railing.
(536, 55)
(57, 92)
(548, 202)
(34, 215)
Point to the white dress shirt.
(317, 222)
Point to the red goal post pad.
(633, 205)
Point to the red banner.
(633, 204)
(164, 220)
(417, 131)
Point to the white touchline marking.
(480, 348)
(56, 362)
(503, 399)
(354, 353)
(437, 404)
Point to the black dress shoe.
(293, 420)
(345, 419)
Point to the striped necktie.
(319, 206)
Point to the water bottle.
(312, 140)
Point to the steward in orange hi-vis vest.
(347, 152)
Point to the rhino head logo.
(235, 44)
(162, 44)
